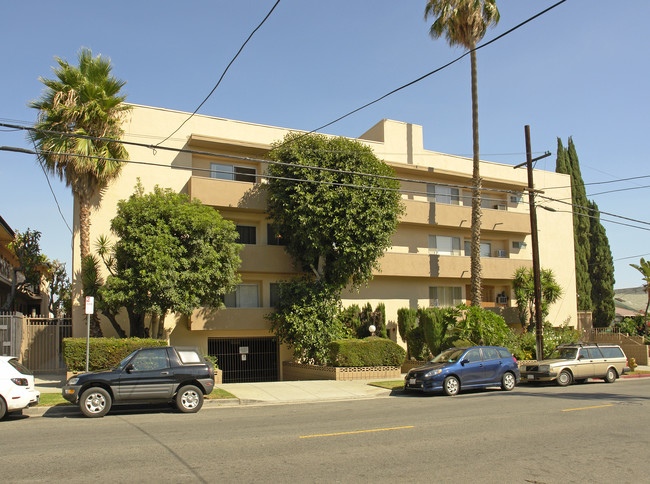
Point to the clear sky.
(580, 70)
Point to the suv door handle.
(164, 373)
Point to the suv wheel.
(95, 402)
(508, 381)
(189, 399)
(564, 378)
(610, 376)
(451, 386)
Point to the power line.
(618, 180)
(224, 73)
(239, 158)
(594, 210)
(408, 84)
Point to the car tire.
(95, 402)
(508, 381)
(189, 399)
(610, 376)
(3, 408)
(451, 386)
(565, 378)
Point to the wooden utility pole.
(539, 341)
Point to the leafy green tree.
(31, 264)
(171, 255)
(306, 319)
(337, 222)
(464, 23)
(60, 304)
(644, 268)
(82, 100)
(524, 288)
(601, 271)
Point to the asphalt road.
(595, 432)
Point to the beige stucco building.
(428, 263)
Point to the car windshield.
(122, 363)
(563, 354)
(448, 356)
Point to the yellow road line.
(586, 408)
(356, 432)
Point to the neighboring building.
(630, 302)
(427, 265)
(31, 301)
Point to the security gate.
(245, 359)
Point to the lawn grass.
(55, 399)
(389, 385)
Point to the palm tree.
(644, 268)
(82, 100)
(464, 23)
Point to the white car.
(16, 386)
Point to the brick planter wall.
(296, 371)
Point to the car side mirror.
(580, 357)
(464, 361)
(129, 368)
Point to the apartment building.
(427, 265)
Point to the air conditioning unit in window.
(434, 303)
(500, 206)
(502, 299)
(516, 199)
(519, 245)
(500, 253)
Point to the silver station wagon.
(577, 363)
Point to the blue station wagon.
(464, 368)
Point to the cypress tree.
(601, 271)
(567, 162)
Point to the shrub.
(104, 353)
(482, 327)
(350, 319)
(407, 319)
(371, 351)
(435, 323)
(416, 344)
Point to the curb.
(643, 375)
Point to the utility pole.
(539, 341)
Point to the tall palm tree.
(464, 23)
(83, 100)
(644, 268)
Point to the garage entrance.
(245, 359)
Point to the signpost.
(90, 308)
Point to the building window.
(274, 294)
(444, 245)
(486, 248)
(245, 296)
(444, 296)
(442, 194)
(231, 172)
(247, 234)
(273, 237)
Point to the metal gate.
(245, 359)
(11, 334)
(43, 343)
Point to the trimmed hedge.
(105, 353)
(371, 351)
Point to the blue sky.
(580, 70)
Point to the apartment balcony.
(266, 258)
(459, 216)
(230, 319)
(447, 266)
(227, 193)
